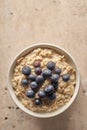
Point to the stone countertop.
(24, 22)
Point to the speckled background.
(24, 22)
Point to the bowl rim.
(20, 105)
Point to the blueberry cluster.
(36, 80)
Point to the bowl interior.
(10, 74)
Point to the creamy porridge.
(43, 80)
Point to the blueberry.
(37, 63)
(30, 93)
(26, 70)
(46, 73)
(39, 79)
(55, 84)
(57, 71)
(54, 77)
(51, 65)
(38, 70)
(33, 85)
(41, 94)
(52, 96)
(65, 77)
(32, 77)
(38, 101)
(24, 82)
(49, 89)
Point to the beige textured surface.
(23, 22)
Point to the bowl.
(10, 73)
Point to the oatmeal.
(43, 80)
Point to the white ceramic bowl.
(59, 110)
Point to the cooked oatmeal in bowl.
(44, 80)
